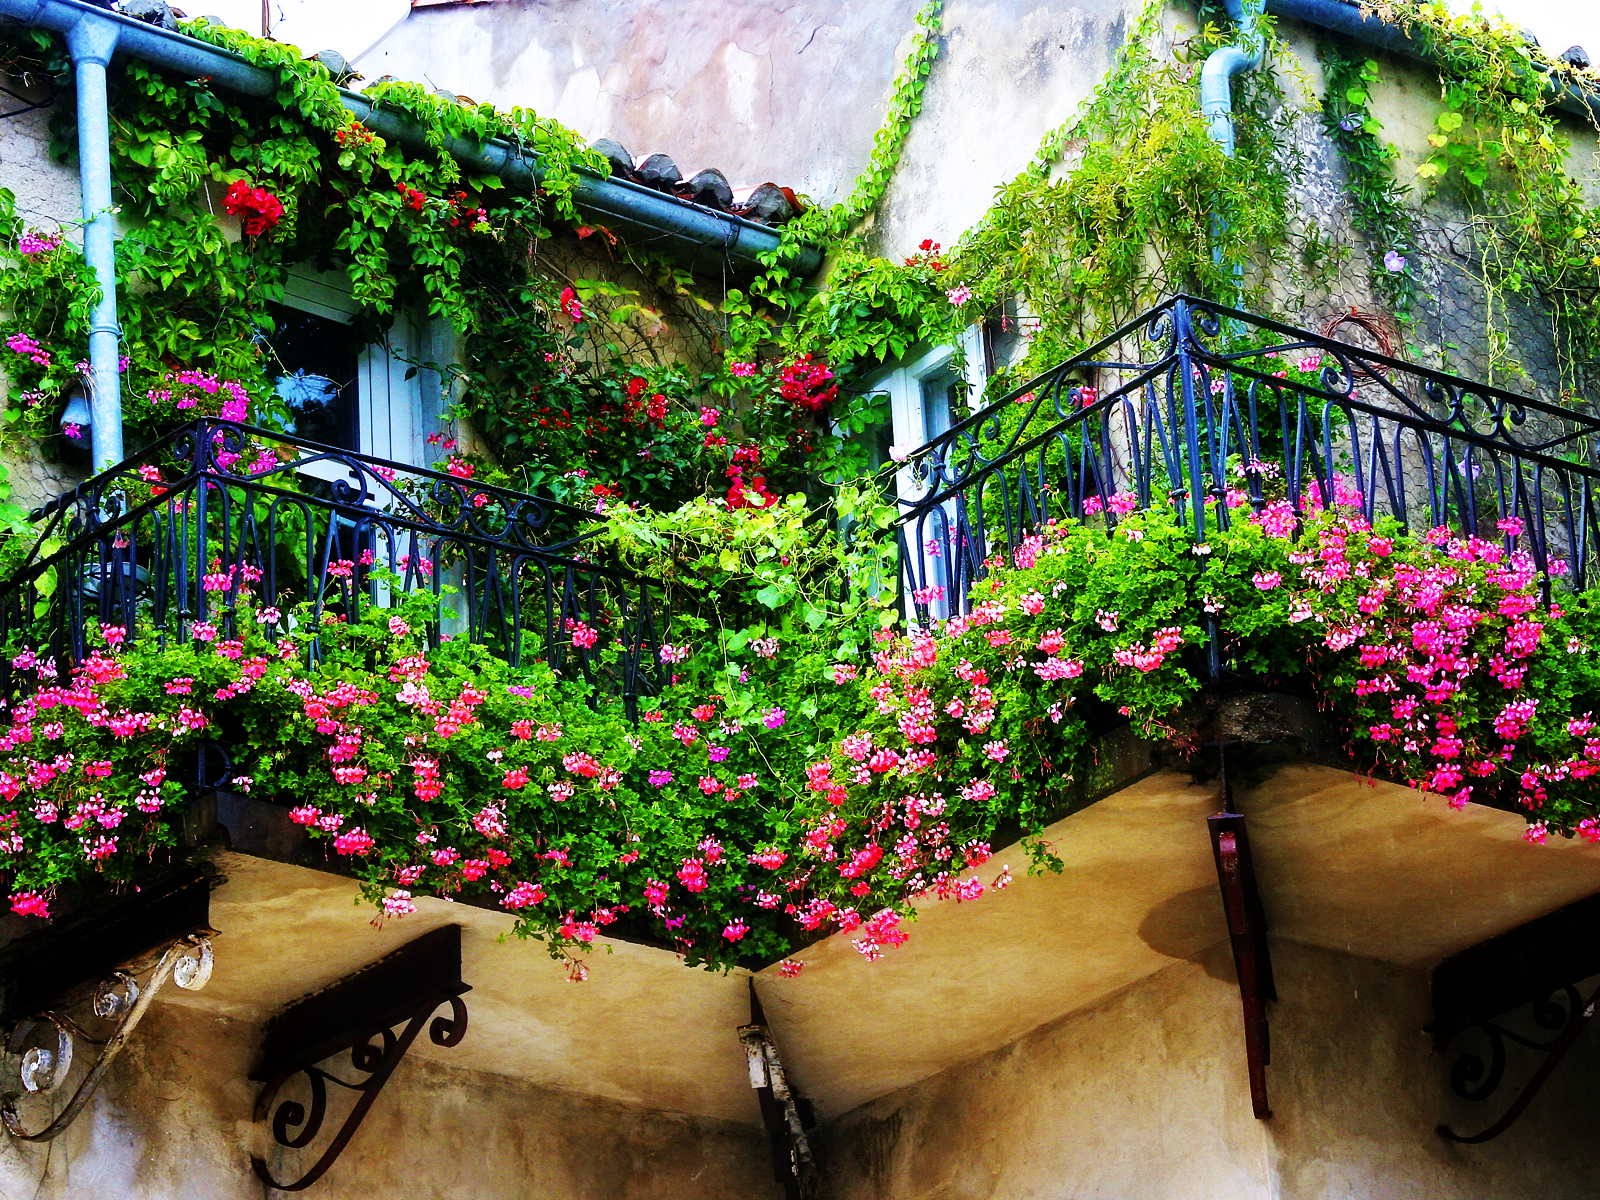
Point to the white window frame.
(903, 382)
(390, 413)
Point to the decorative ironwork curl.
(294, 1126)
(1473, 1079)
(120, 998)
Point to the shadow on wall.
(1183, 925)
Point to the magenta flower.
(774, 718)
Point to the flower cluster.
(258, 208)
(775, 789)
(807, 385)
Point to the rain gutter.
(1216, 77)
(1336, 16)
(707, 237)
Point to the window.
(926, 396)
(315, 364)
(346, 394)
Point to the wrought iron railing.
(167, 540)
(1216, 412)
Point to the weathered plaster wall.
(790, 92)
(173, 1123)
(795, 92)
(46, 191)
(47, 197)
(1145, 1095)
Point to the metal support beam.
(1247, 933)
(405, 986)
(786, 1116)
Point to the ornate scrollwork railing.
(1214, 412)
(1560, 1018)
(144, 544)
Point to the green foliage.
(46, 297)
(1130, 218)
(1498, 143)
(1378, 203)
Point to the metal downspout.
(91, 42)
(1216, 97)
(1216, 77)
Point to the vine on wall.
(809, 769)
(1500, 148)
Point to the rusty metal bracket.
(405, 986)
(787, 1117)
(1247, 932)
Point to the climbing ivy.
(1378, 203)
(1500, 148)
(1130, 200)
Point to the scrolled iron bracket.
(357, 1016)
(1473, 1079)
(295, 1127)
(120, 997)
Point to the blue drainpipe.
(91, 41)
(1216, 77)
(1216, 98)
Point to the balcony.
(1215, 413)
(1212, 413)
(161, 545)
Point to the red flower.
(807, 385)
(259, 208)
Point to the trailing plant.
(783, 786)
(1129, 219)
(1378, 203)
(1500, 147)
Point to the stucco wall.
(173, 1123)
(788, 92)
(47, 198)
(1145, 1096)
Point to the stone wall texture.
(174, 1123)
(47, 197)
(1145, 1095)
